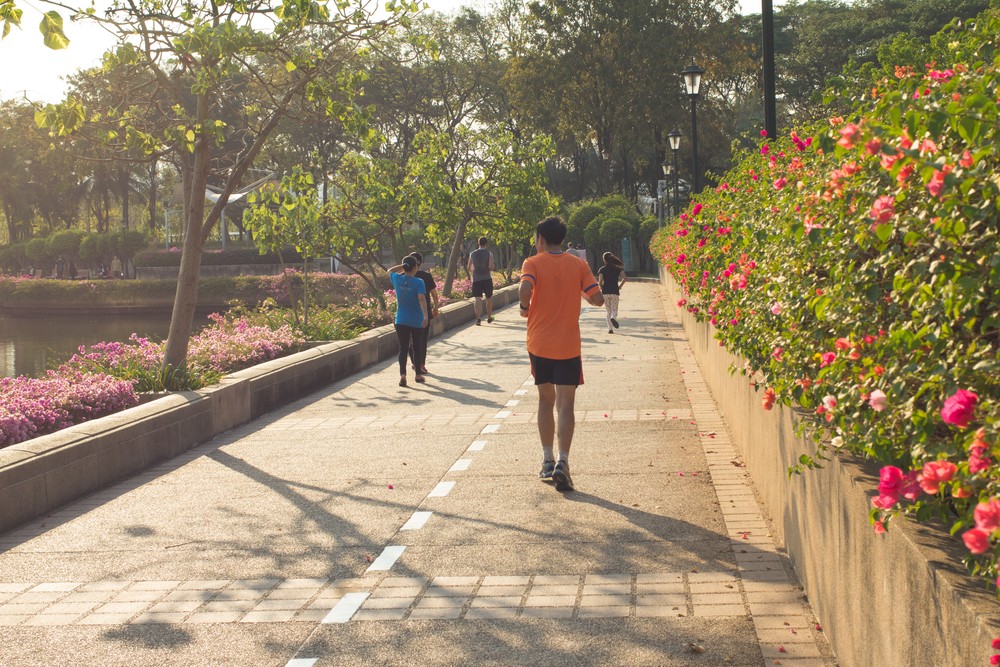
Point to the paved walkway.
(370, 524)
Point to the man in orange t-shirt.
(551, 283)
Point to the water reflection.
(32, 345)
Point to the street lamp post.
(692, 82)
(668, 169)
(606, 161)
(674, 137)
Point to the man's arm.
(492, 267)
(524, 296)
(434, 297)
(395, 269)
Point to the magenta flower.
(776, 308)
(827, 358)
(976, 540)
(681, 258)
(987, 515)
(959, 408)
(780, 183)
(883, 209)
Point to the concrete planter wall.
(39, 475)
(884, 600)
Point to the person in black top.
(432, 311)
(608, 278)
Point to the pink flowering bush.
(855, 266)
(30, 407)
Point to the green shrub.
(857, 273)
(578, 221)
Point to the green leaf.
(290, 66)
(51, 28)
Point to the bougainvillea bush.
(855, 267)
(30, 407)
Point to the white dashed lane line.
(441, 490)
(348, 605)
(491, 428)
(460, 465)
(477, 446)
(417, 521)
(386, 559)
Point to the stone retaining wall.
(39, 475)
(884, 600)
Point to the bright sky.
(29, 69)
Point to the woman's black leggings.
(406, 335)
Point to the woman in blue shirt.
(411, 312)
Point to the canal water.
(31, 345)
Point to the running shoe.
(424, 371)
(611, 330)
(560, 475)
(546, 472)
(614, 323)
(489, 320)
(479, 322)
(421, 378)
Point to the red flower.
(935, 473)
(883, 209)
(959, 407)
(847, 135)
(977, 540)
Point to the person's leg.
(489, 309)
(420, 351)
(611, 301)
(546, 418)
(403, 336)
(421, 359)
(607, 311)
(565, 399)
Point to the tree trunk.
(123, 182)
(195, 174)
(152, 194)
(456, 251)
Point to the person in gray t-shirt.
(481, 268)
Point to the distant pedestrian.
(116, 267)
(608, 278)
(481, 267)
(431, 295)
(551, 284)
(411, 312)
(60, 267)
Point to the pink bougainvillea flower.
(873, 146)
(763, 133)
(765, 149)
(682, 302)
(959, 407)
(884, 502)
(977, 540)
(927, 147)
(877, 400)
(934, 473)
(847, 135)
(776, 308)
(879, 527)
(890, 480)
(829, 402)
(987, 515)
(780, 183)
(681, 258)
(966, 160)
(776, 353)
(883, 209)
(936, 185)
(696, 210)
(827, 358)
(843, 344)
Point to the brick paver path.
(370, 525)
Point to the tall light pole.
(692, 82)
(668, 169)
(767, 48)
(606, 162)
(674, 137)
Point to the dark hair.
(483, 241)
(611, 260)
(409, 263)
(417, 256)
(552, 229)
